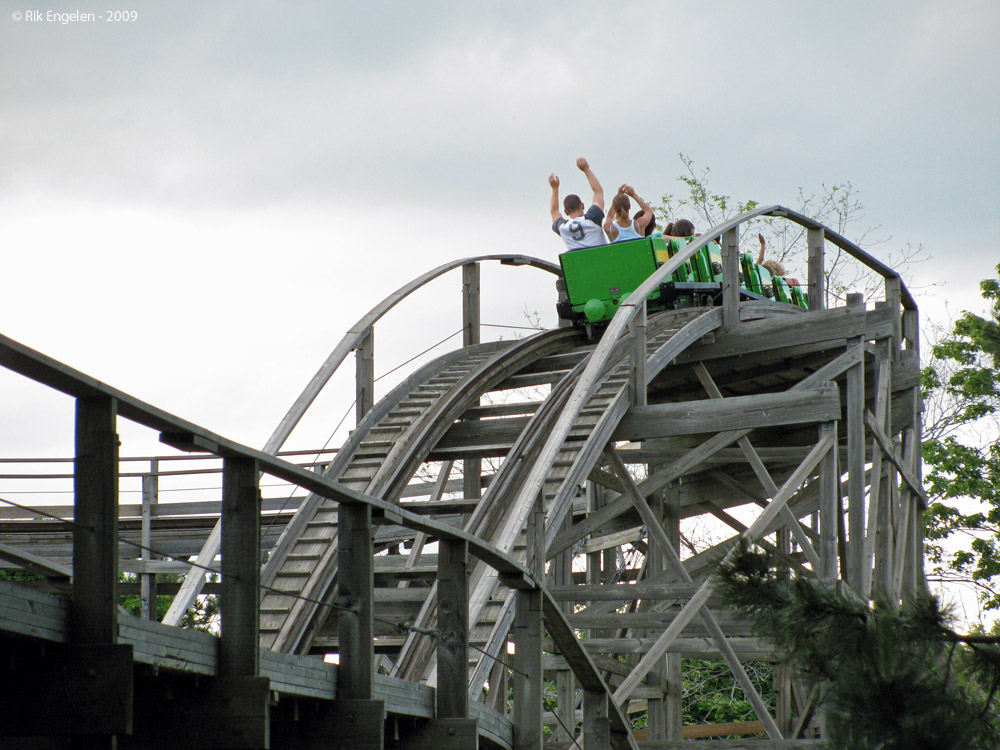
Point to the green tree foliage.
(203, 615)
(891, 677)
(712, 696)
(961, 388)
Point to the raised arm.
(647, 213)
(554, 201)
(763, 246)
(595, 184)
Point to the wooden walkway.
(506, 521)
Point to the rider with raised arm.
(619, 226)
(581, 228)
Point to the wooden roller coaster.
(487, 571)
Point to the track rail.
(502, 522)
(379, 460)
(194, 581)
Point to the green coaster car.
(598, 279)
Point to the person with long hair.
(620, 226)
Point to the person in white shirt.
(581, 228)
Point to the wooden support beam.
(150, 498)
(470, 304)
(818, 404)
(637, 357)
(94, 613)
(889, 452)
(364, 375)
(355, 592)
(673, 559)
(761, 471)
(764, 337)
(817, 269)
(472, 467)
(453, 624)
(730, 279)
(596, 722)
(695, 604)
(527, 670)
(855, 397)
(240, 600)
(829, 506)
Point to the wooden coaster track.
(574, 533)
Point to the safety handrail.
(188, 436)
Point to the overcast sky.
(196, 204)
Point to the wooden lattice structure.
(557, 563)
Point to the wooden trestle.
(452, 603)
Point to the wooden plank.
(775, 334)
(819, 404)
(35, 563)
(701, 647)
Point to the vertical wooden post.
(817, 270)
(731, 279)
(471, 335)
(150, 497)
(94, 609)
(95, 534)
(829, 506)
(561, 574)
(527, 670)
(856, 460)
(355, 592)
(364, 375)
(596, 720)
(470, 304)
(535, 539)
(675, 687)
(637, 357)
(453, 623)
(239, 655)
(894, 297)
(655, 558)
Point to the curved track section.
(194, 581)
(500, 521)
(380, 459)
